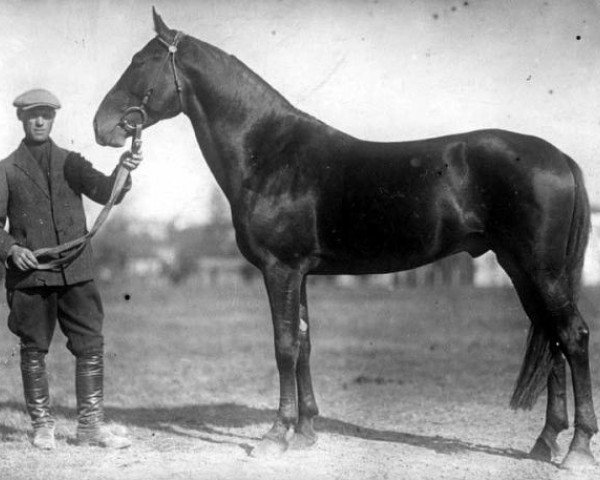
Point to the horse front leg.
(304, 434)
(283, 285)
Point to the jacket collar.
(25, 161)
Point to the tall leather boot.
(37, 398)
(89, 380)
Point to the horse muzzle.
(109, 134)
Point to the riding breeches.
(77, 308)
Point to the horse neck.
(224, 100)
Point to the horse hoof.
(269, 448)
(579, 461)
(544, 451)
(299, 441)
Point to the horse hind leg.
(543, 365)
(569, 331)
(550, 303)
(571, 337)
(546, 448)
(304, 434)
(573, 334)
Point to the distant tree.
(116, 244)
(184, 265)
(111, 245)
(214, 239)
(197, 241)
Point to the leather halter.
(141, 109)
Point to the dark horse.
(308, 199)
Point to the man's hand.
(131, 160)
(22, 257)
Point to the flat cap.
(38, 97)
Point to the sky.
(380, 70)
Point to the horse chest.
(281, 226)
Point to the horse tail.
(538, 356)
(580, 232)
(534, 370)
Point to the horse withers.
(307, 199)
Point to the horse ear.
(160, 26)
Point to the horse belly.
(389, 234)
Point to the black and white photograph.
(320, 239)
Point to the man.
(41, 188)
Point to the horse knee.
(286, 350)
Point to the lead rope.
(75, 247)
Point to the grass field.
(410, 384)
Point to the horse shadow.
(207, 421)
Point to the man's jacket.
(46, 212)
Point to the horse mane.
(239, 74)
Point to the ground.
(411, 384)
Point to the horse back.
(345, 205)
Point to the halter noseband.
(171, 50)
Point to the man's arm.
(85, 179)
(6, 240)
(20, 257)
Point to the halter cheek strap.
(172, 49)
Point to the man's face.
(37, 123)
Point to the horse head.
(148, 91)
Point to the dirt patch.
(191, 374)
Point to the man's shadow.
(210, 422)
